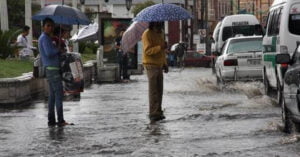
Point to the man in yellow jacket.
(154, 60)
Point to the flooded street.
(111, 120)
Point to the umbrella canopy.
(86, 33)
(132, 35)
(62, 14)
(163, 12)
(174, 46)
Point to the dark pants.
(155, 79)
(55, 96)
(123, 62)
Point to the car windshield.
(245, 45)
(248, 30)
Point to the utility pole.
(202, 13)
(4, 15)
(238, 6)
(253, 8)
(207, 27)
(28, 20)
(260, 11)
(184, 25)
(75, 29)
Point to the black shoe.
(157, 118)
(51, 124)
(64, 124)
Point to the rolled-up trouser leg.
(155, 90)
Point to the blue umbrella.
(163, 12)
(62, 14)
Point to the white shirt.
(26, 49)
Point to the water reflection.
(57, 133)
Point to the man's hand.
(166, 68)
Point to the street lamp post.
(128, 4)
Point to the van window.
(294, 23)
(271, 19)
(249, 30)
(294, 19)
(274, 25)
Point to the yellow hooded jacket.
(153, 53)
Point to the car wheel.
(213, 68)
(221, 81)
(267, 88)
(289, 126)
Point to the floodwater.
(111, 120)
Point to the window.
(245, 45)
(294, 19)
(274, 24)
(248, 30)
(294, 23)
(270, 21)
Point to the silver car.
(240, 59)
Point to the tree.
(7, 46)
(16, 15)
(140, 6)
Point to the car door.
(269, 43)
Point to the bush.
(7, 44)
(88, 47)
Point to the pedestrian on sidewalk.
(123, 59)
(50, 59)
(154, 61)
(25, 49)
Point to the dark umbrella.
(163, 12)
(62, 14)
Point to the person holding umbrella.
(154, 61)
(50, 59)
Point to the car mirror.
(283, 59)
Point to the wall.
(24, 89)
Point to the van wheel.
(286, 119)
(279, 93)
(267, 85)
(288, 125)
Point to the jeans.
(123, 62)
(55, 96)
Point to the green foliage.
(140, 6)
(7, 45)
(16, 16)
(88, 47)
(87, 57)
(14, 68)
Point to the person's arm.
(49, 48)
(149, 48)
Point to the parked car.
(290, 103)
(193, 58)
(230, 26)
(240, 59)
(281, 33)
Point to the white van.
(281, 35)
(242, 24)
(214, 45)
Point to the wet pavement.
(111, 120)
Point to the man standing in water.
(50, 59)
(154, 60)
